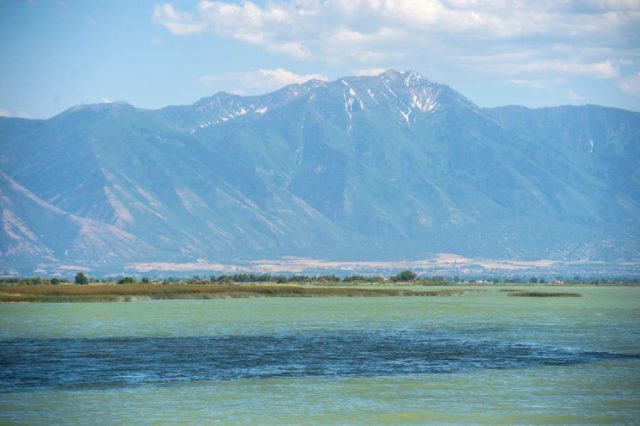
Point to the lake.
(483, 357)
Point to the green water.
(605, 391)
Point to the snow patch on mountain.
(233, 114)
(386, 84)
(350, 98)
(423, 101)
(406, 115)
(372, 96)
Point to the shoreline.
(145, 292)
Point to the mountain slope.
(388, 167)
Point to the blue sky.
(59, 53)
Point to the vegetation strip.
(522, 293)
(114, 292)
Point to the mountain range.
(385, 167)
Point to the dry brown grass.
(130, 292)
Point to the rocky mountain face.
(387, 167)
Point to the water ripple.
(47, 363)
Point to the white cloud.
(16, 114)
(295, 50)
(179, 23)
(536, 84)
(369, 71)
(604, 69)
(515, 39)
(258, 81)
(631, 85)
(574, 96)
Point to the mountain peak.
(410, 77)
(391, 74)
(414, 78)
(100, 107)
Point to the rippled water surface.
(483, 357)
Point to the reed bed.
(133, 292)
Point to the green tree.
(404, 276)
(81, 278)
(126, 280)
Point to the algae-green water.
(483, 357)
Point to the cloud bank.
(259, 81)
(513, 39)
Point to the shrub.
(126, 280)
(81, 278)
(404, 276)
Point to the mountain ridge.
(385, 167)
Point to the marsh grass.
(133, 292)
(524, 293)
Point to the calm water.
(483, 358)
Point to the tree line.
(406, 276)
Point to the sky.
(55, 54)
